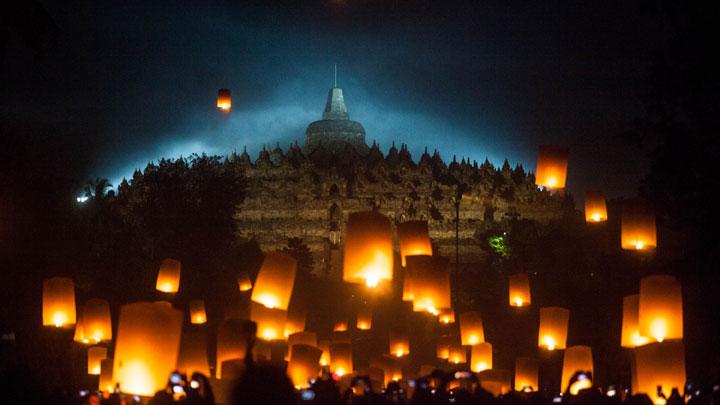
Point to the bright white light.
(82, 199)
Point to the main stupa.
(335, 130)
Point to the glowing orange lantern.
(295, 321)
(431, 283)
(399, 342)
(105, 382)
(193, 353)
(471, 328)
(146, 350)
(576, 358)
(341, 361)
(595, 207)
(443, 347)
(659, 365)
(526, 374)
(96, 321)
(414, 239)
(660, 313)
(481, 357)
(95, 355)
(364, 318)
(270, 321)
(340, 326)
(197, 312)
(457, 353)
(79, 335)
(390, 367)
(552, 333)
(407, 291)
(551, 167)
(497, 382)
(447, 315)
(168, 278)
(224, 101)
(368, 254)
(244, 283)
(301, 338)
(232, 342)
(630, 330)
(324, 345)
(303, 365)
(59, 302)
(519, 290)
(275, 281)
(638, 226)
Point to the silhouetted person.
(675, 398)
(200, 392)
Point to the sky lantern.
(168, 278)
(303, 365)
(446, 316)
(431, 283)
(407, 287)
(551, 167)
(414, 239)
(443, 347)
(95, 355)
(301, 338)
(368, 254)
(526, 374)
(295, 321)
(495, 381)
(232, 342)
(481, 357)
(390, 366)
(146, 348)
(275, 281)
(341, 361)
(244, 283)
(270, 321)
(105, 382)
(471, 328)
(364, 318)
(638, 230)
(552, 333)
(457, 353)
(519, 290)
(659, 365)
(399, 342)
(197, 312)
(96, 321)
(340, 326)
(576, 358)
(193, 356)
(224, 101)
(660, 311)
(595, 207)
(79, 335)
(630, 329)
(324, 345)
(59, 302)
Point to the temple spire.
(335, 85)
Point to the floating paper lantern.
(168, 278)
(390, 366)
(275, 281)
(552, 333)
(59, 302)
(595, 207)
(551, 167)
(95, 355)
(576, 358)
(244, 283)
(193, 356)
(519, 290)
(526, 374)
(638, 231)
(340, 326)
(443, 347)
(660, 313)
(270, 321)
(368, 254)
(96, 321)
(301, 338)
(659, 365)
(341, 361)
(79, 335)
(447, 315)
(364, 318)
(146, 350)
(630, 329)
(497, 382)
(295, 321)
(197, 312)
(471, 328)
(303, 365)
(457, 353)
(399, 342)
(414, 239)
(224, 101)
(481, 357)
(105, 382)
(407, 291)
(324, 345)
(431, 283)
(232, 341)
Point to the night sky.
(125, 83)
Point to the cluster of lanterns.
(151, 340)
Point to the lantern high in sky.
(631, 336)
(275, 281)
(660, 308)
(197, 312)
(595, 207)
(168, 278)
(414, 239)
(58, 301)
(368, 251)
(364, 318)
(224, 101)
(552, 333)
(552, 165)
(638, 225)
(96, 321)
(399, 342)
(471, 328)
(244, 283)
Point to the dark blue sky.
(137, 80)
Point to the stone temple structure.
(307, 192)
